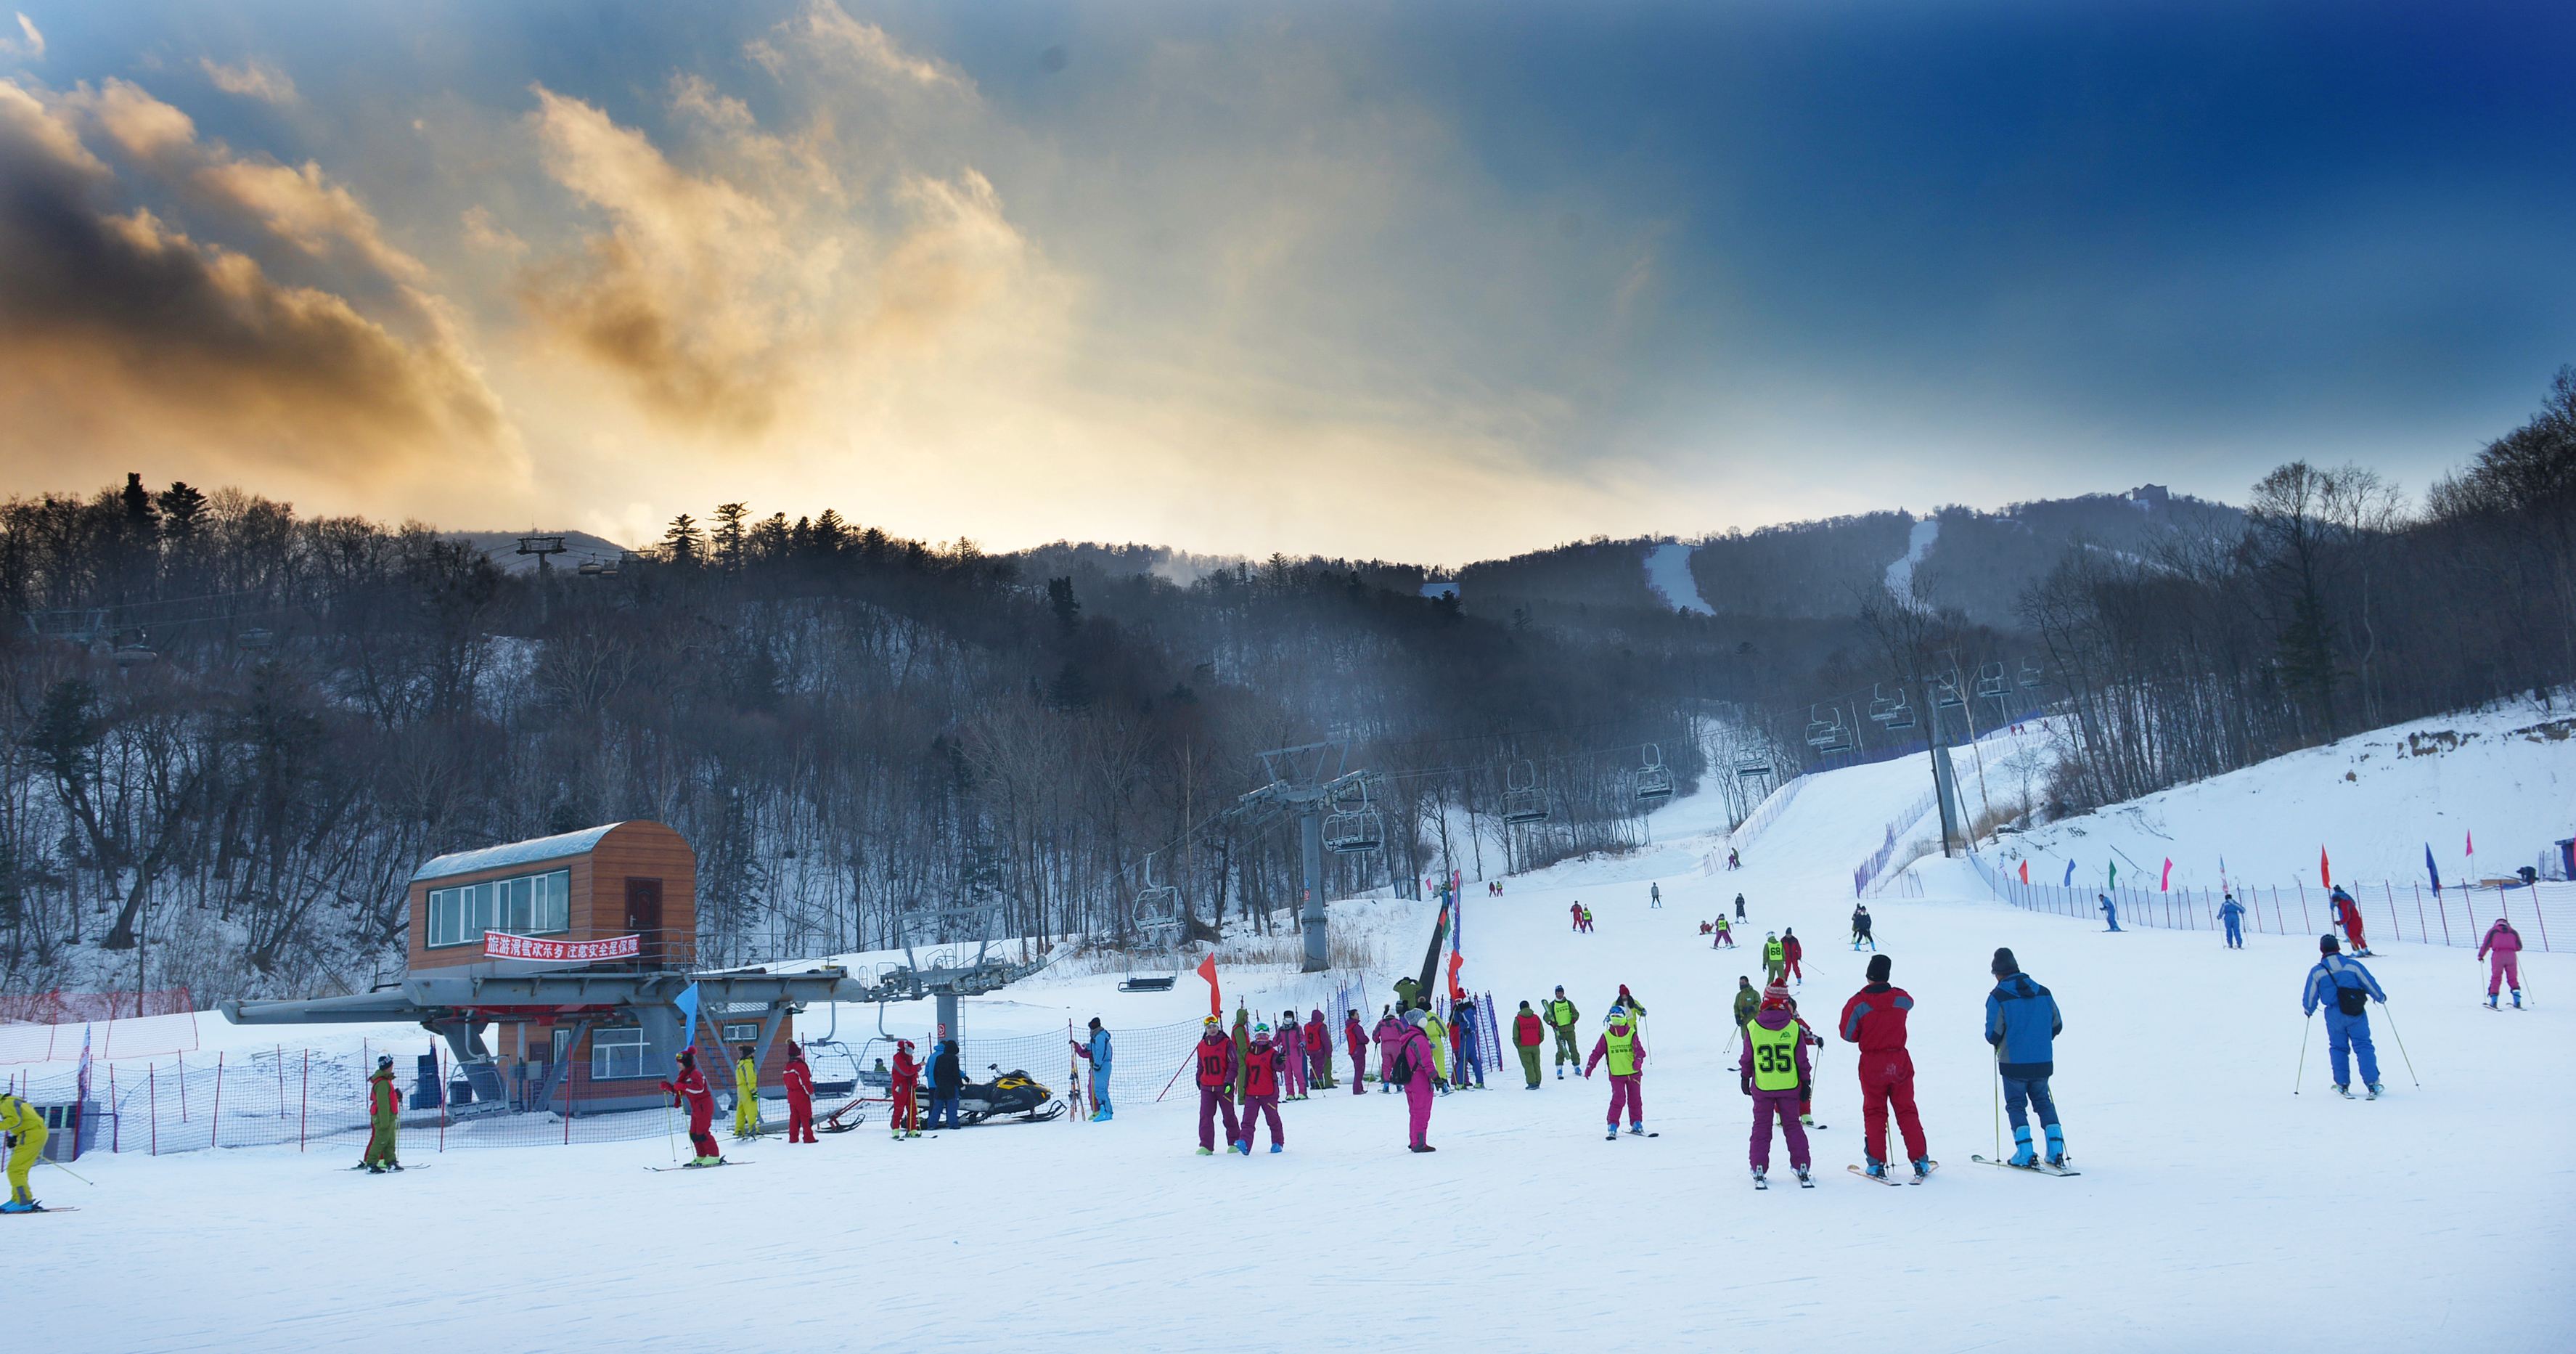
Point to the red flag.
(2325, 872)
(1207, 970)
(2468, 841)
(2025, 872)
(1456, 961)
(2165, 885)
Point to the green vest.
(1561, 1012)
(1775, 1056)
(1623, 1051)
(1773, 952)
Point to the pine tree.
(683, 543)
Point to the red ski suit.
(1216, 1080)
(800, 1101)
(691, 1088)
(905, 1091)
(1262, 1067)
(1875, 1019)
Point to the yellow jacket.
(746, 1079)
(21, 1120)
(1438, 1034)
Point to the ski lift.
(1752, 761)
(1902, 717)
(1523, 800)
(590, 568)
(1158, 909)
(1825, 731)
(1354, 827)
(1654, 779)
(835, 1069)
(2031, 676)
(134, 655)
(1945, 694)
(1991, 682)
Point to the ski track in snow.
(1900, 575)
(1668, 573)
(2216, 1210)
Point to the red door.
(644, 919)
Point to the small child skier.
(690, 1088)
(1626, 1055)
(2502, 949)
(1261, 1083)
(1773, 1070)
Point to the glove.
(1747, 1083)
(12, 1142)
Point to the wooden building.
(603, 883)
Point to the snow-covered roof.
(513, 853)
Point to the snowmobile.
(1013, 1092)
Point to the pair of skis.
(1891, 1178)
(2035, 1168)
(1805, 1181)
(697, 1166)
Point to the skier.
(1319, 1049)
(1096, 1051)
(1575, 911)
(2348, 916)
(2502, 949)
(1778, 994)
(1528, 1032)
(1357, 1039)
(1874, 1018)
(690, 1086)
(24, 1128)
(800, 1097)
(1773, 1069)
(1437, 1032)
(1290, 1062)
(1860, 928)
(1389, 1031)
(1627, 1057)
(1654, 895)
(2345, 989)
(2231, 914)
(1746, 1002)
(1561, 1017)
(1705, 928)
(384, 1121)
(2022, 1022)
(2110, 910)
(1739, 907)
(1733, 861)
(1471, 1060)
(1411, 1064)
(1790, 950)
(1628, 1001)
(1775, 958)
(945, 1081)
(1725, 934)
(903, 1087)
(746, 1094)
(1216, 1086)
(1261, 1083)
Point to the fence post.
(2539, 916)
(152, 1102)
(441, 1064)
(2304, 920)
(304, 1098)
(115, 1124)
(2393, 928)
(281, 1082)
(183, 1088)
(2420, 928)
(215, 1122)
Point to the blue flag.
(2432, 869)
(688, 1004)
(2069, 881)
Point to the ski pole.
(2401, 1046)
(2304, 1027)
(70, 1172)
(1999, 1103)
(667, 1141)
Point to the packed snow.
(1900, 573)
(2216, 1209)
(1668, 573)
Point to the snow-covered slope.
(2216, 1211)
(1668, 573)
(1900, 574)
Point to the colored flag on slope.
(2165, 885)
(2432, 869)
(2112, 880)
(2069, 881)
(2325, 870)
(1207, 970)
(688, 1004)
(2025, 872)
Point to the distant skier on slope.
(1357, 1040)
(2346, 990)
(384, 1118)
(1261, 1083)
(2110, 911)
(1575, 911)
(746, 1094)
(2348, 916)
(1725, 934)
(1561, 1017)
(1773, 1069)
(1215, 1079)
(1874, 1018)
(24, 1128)
(1626, 1054)
(2023, 1023)
(1587, 921)
(1739, 907)
(690, 1088)
(800, 1096)
(1654, 895)
(1791, 951)
(1747, 1001)
(1860, 928)
(1528, 1033)
(1319, 1050)
(904, 1092)
(1412, 1065)
(1096, 1051)
(2231, 914)
(2502, 949)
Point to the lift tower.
(1308, 782)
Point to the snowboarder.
(1389, 1030)
(800, 1097)
(2502, 949)
(1561, 1017)
(2345, 989)
(24, 1128)
(690, 1087)
(1471, 1060)
(2348, 916)
(1216, 1086)
(1261, 1083)
(1096, 1051)
(1874, 1018)
(2110, 911)
(2022, 1023)
(1790, 950)
(945, 1081)
(1860, 928)
(1357, 1039)
(1725, 934)
(2231, 914)
(746, 1094)
(1654, 895)
(1528, 1032)
(1289, 1045)
(903, 1088)
(1411, 1065)
(1775, 959)
(1773, 1070)
(1627, 1057)
(1739, 907)
(384, 1118)
(1319, 1049)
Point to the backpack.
(2352, 1001)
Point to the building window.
(533, 904)
(742, 1034)
(617, 1054)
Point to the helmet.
(903, 1044)
(1212, 1022)
(1618, 1015)
(1261, 1031)
(384, 1060)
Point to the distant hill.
(502, 548)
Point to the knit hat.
(1879, 965)
(1524, 1006)
(2327, 945)
(2004, 965)
(1414, 1016)
(1776, 992)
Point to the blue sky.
(1430, 281)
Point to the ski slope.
(1900, 572)
(1668, 573)
(2217, 1210)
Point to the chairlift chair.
(1654, 779)
(1882, 708)
(1945, 694)
(1902, 717)
(1825, 731)
(1991, 682)
(1523, 800)
(2031, 676)
(1752, 763)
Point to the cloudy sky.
(1430, 281)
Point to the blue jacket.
(2335, 971)
(2022, 1023)
(1099, 1052)
(2230, 910)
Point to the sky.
(1421, 281)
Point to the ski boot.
(1244, 1147)
(1612, 1135)
(1560, 1067)
(1761, 1175)
(1806, 1121)
(2517, 999)
(1922, 1169)
(1101, 1117)
(1637, 1130)
(1875, 1170)
(21, 1206)
(1277, 1147)
(1422, 1147)
(2491, 1001)
(2056, 1147)
(1805, 1181)
(2022, 1154)
(2374, 1092)
(1207, 1151)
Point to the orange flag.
(2025, 872)
(1207, 970)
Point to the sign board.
(503, 945)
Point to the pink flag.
(2325, 872)
(2468, 841)
(2165, 885)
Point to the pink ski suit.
(1783, 1104)
(2502, 949)
(1413, 1053)
(1627, 1090)
(1358, 1040)
(1290, 1040)
(1389, 1030)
